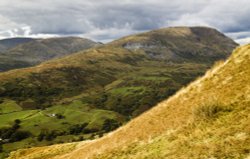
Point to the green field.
(8, 106)
(36, 121)
(129, 95)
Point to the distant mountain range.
(93, 91)
(25, 52)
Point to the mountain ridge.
(157, 39)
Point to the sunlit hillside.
(90, 93)
(207, 119)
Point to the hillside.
(6, 44)
(207, 119)
(92, 92)
(32, 52)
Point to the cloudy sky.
(105, 20)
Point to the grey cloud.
(104, 20)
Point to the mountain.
(180, 44)
(89, 93)
(113, 68)
(6, 44)
(207, 119)
(33, 52)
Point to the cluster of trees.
(40, 95)
(77, 129)
(49, 135)
(13, 133)
(73, 130)
(131, 103)
(108, 125)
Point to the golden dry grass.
(49, 151)
(169, 130)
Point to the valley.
(207, 119)
(89, 93)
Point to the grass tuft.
(210, 110)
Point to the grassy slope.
(208, 119)
(110, 79)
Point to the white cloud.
(243, 41)
(188, 20)
(107, 35)
(7, 24)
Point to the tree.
(110, 124)
(19, 135)
(41, 136)
(1, 148)
(17, 121)
(78, 128)
(60, 116)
